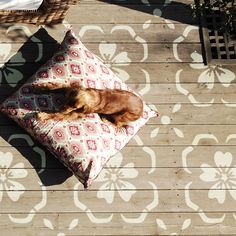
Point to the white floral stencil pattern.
(211, 73)
(166, 120)
(223, 177)
(209, 76)
(116, 178)
(218, 178)
(8, 176)
(113, 58)
(74, 223)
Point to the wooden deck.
(177, 176)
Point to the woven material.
(50, 12)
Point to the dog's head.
(71, 96)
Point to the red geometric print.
(117, 145)
(58, 134)
(26, 90)
(59, 58)
(129, 130)
(91, 84)
(117, 85)
(104, 69)
(76, 149)
(90, 128)
(105, 128)
(72, 41)
(89, 54)
(90, 69)
(75, 69)
(74, 54)
(145, 115)
(43, 74)
(58, 70)
(106, 144)
(74, 130)
(91, 144)
(42, 102)
(90, 115)
(26, 104)
(11, 110)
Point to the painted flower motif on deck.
(157, 12)
(8, 176)
(211, 73)
(116, 178)
(167, 120)
(48, 223)
(8, 71)
(111, 56)
(223, 177)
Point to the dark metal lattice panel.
(218, 48)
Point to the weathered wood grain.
(186, 115)
(172, 93)
(116, 33)
(158, 52)
(159, 73)
(164, 156)
(117, 226)
(157, 156)
(135, 2)
(117, 13)
(169, 202)
(165, 136)
(163, 178)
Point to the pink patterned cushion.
(83, 145)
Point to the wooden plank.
(169, 94)
(164, 157)
(172, 221)
(187, 115)
(117, 13)
(165, 136)
(158, 52)
(135, 2)
(169, 201)
(163, 178)
(159, 73)
(116, 33)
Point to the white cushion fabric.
(20, 4)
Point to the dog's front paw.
(43, 116)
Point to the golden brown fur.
(117, 106)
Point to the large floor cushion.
(83, 145)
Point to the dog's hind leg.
(49, 86)
(60, 116)
(55, 115)
(124, 118)
(70, 113)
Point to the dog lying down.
(118, 107)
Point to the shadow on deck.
(22, 64)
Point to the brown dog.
(116, 106)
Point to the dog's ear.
(73, 92)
